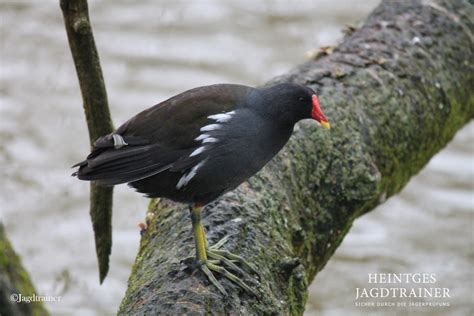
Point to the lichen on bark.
(396, 91)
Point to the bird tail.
(115, 160)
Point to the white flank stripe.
(222, 117)
(202, 136)
(198, 151)
(187, 177)
(210, 127)
(210, 140)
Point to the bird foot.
(219, 261)
(210, 266)
(228, 258)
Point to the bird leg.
(209, 258)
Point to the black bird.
(199, 144)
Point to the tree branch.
(396, 91)
(99, 123)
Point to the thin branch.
(99, 123)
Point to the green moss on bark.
(405, 91)
(14, 280)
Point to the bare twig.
(99, 123)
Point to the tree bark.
(396, 91)
(14, 280)
(99, 122)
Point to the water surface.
(151, 50)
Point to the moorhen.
(199, 144)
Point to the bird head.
(289, 103)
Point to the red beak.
(317, 114)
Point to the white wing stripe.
(187, 177)
(202, 137)
(210, 127)
(222, 117)
(210, 140)
(205, 138)
(198, 151)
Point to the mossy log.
(14, 280)
(396, 90)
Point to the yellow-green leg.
(209, 258)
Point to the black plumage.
(201, 143)
(196, 146)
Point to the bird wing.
(163, 137)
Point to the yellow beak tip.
(325, 124)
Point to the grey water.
(151, 50)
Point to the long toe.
(233, 258)
(212, 278)
(220, 243)
(216, 252)
(227, 262)
(232, 277)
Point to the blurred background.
(151, 50)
